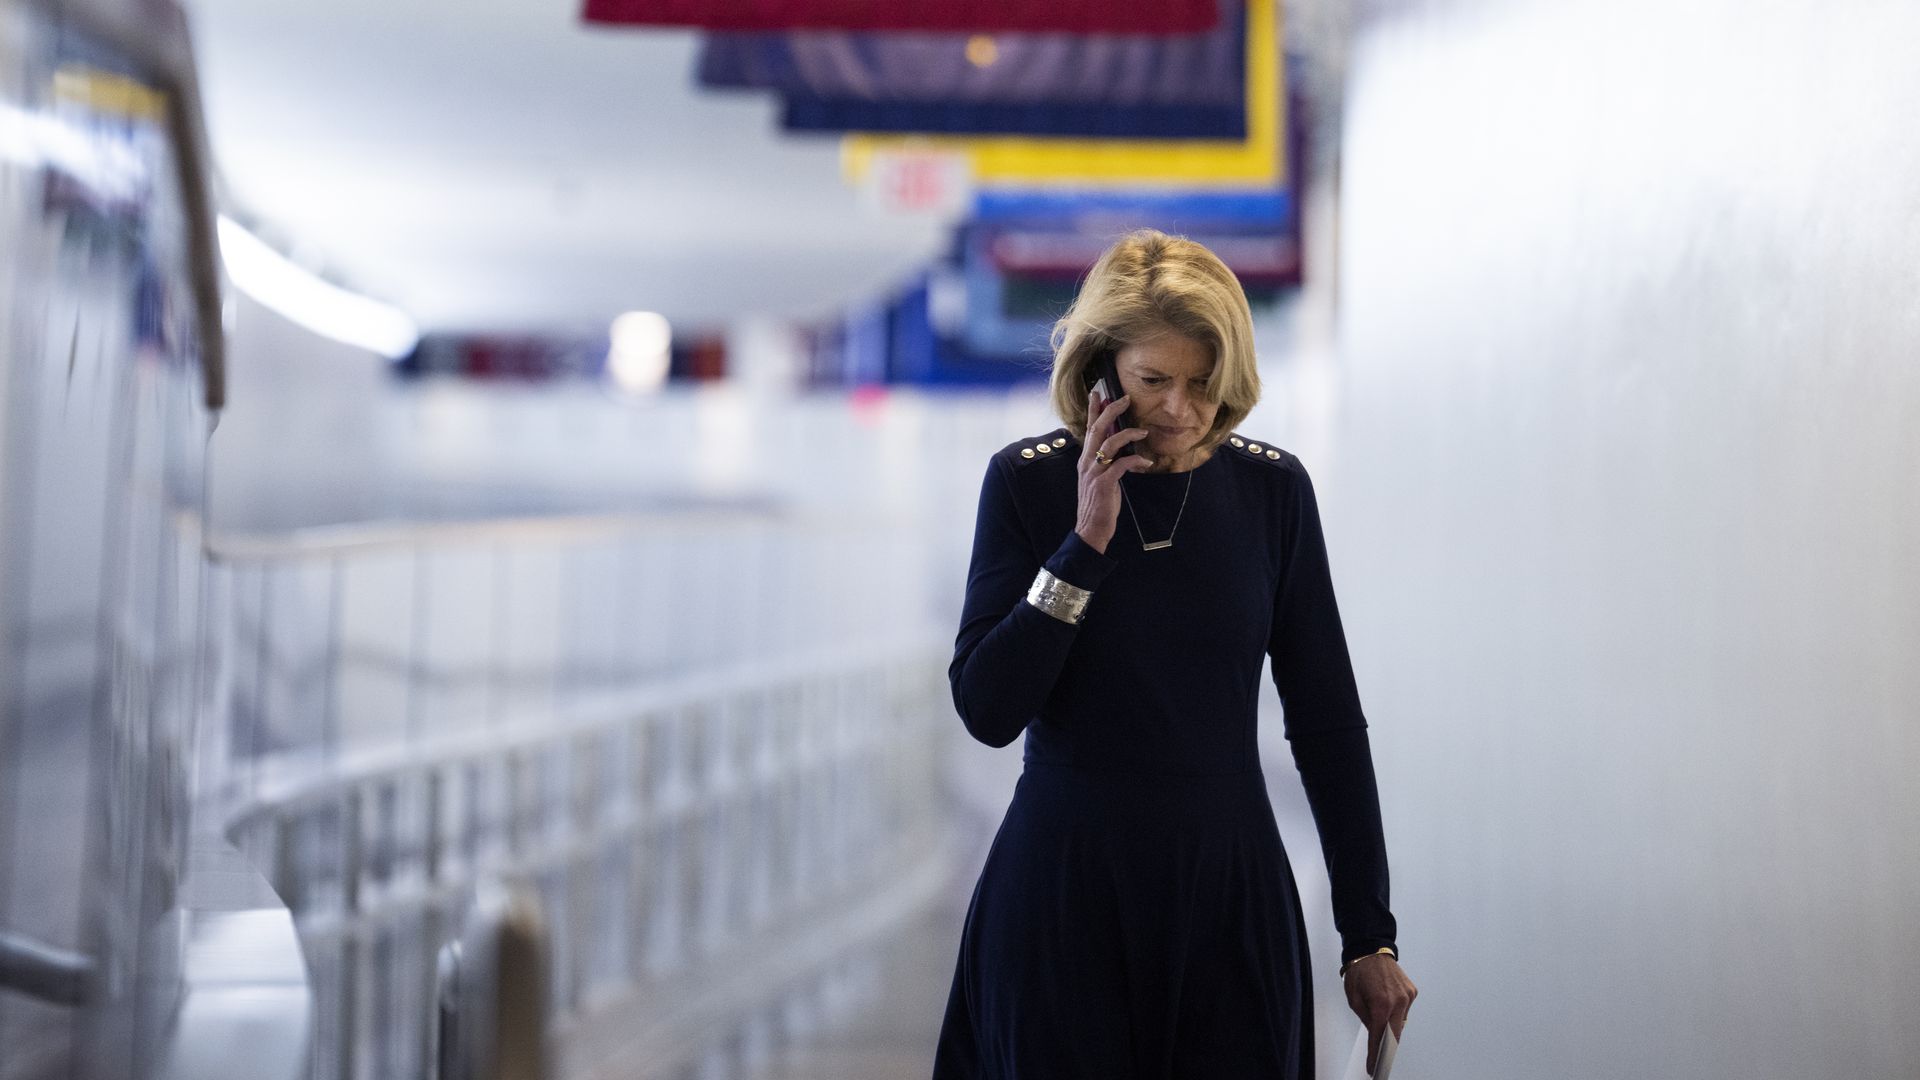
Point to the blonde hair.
(1145, 285)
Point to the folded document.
(1357, 1063)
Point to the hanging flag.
(1116, 85)
(1017, 281)
(1254, 161)
(1257, 259)
(1181, 69)
(836, 115)
(1122, 210)
(957, 16)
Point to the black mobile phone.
(1106, 380)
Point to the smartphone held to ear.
(1106, 382)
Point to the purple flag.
(1071, 119)
(1185, 71)
(965, 16)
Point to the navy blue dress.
(1137, 918)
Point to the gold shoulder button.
(1047, 446)
(1260, 451)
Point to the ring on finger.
(1101, 457)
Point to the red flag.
(955, 16)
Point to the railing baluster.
(674, 840)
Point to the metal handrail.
(736, 785)
(689, 811)
(39, 970)
(334, 541)
(389, 762)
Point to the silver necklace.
(1158, 544)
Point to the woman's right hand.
(1100, 483)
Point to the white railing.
(701, 745)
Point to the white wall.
(1622, 497)
(317, 433)
(301, 441)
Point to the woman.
(1137, 917)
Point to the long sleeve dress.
(1137, 918)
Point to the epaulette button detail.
(1237, 442)
(1043, 448)
(1274, 454)
(1026, 451)
(1253, 448)
(1060, 441)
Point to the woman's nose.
(1177, 401)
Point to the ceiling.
(493, 164)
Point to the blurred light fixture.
(304, 297)
(982, 50)
(106, 163)
(640, 351)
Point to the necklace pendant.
(1168, 542)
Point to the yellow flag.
(1259, 160)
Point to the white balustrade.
(692, 738)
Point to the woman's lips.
(1159, 429)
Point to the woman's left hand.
(1380, 994)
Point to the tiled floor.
(892, 1037)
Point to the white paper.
(1357, 1063)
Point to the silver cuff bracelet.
(1065, 602)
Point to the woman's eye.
(1153, 382)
